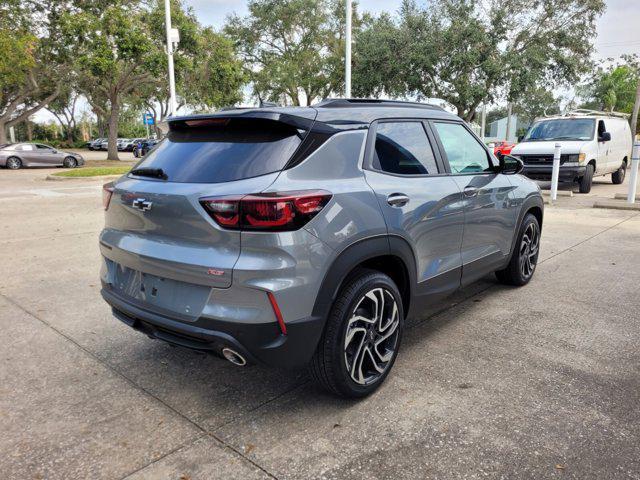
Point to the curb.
(561, 193)
(617, 205)
(97, 177)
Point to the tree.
(208, 74)
(293, 49)
(469, 52)
(111, 43)
(615, 87)
(64, 109)
(32, 70)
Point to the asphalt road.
(537, 382)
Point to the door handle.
(470, 191)
(397, 199)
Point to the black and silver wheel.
(13, 163)
(362, 336)
(524, 258)
(617, 177)
(69, 162)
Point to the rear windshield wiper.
(149, 172)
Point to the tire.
(348, 360)
(13, 163)
(69, 162)
(524, 257)
(587, 179)
(617, 177)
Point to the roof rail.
(370, 102)
(585, 111)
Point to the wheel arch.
(388, 254)
(534, 205)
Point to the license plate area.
(162, 294)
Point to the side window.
(403, 148)
(42, 147)
(463, 151)
(25, 148)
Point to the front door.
(490, 213)
(603, 160)
(48, 155)
(419, 202)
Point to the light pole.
(347, 57)
(172, 80)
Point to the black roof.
(341, 113)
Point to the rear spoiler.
(303, 119)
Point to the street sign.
(147, 119)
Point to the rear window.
(223, 150)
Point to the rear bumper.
(543, 172)
(259, 343)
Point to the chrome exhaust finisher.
(234, 357)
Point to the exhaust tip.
(234, 357)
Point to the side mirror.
(54, 150)
(605, 137)
(510, 165)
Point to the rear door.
(490, 212)
(28, 154)
(419, 202)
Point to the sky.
(618, 30)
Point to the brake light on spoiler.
(280, 211)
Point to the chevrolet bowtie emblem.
(142, 204)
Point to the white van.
(593, 144)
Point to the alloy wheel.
(371, 336)
(529, 248)
(13, 163)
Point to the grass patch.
(94, 171)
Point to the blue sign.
(147, 119)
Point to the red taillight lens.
(282, 211)
(107, 192)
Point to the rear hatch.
(160, 244)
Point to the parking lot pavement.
(537, 382)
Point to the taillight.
(282, 211)
(107, 191)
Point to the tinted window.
(403, 148)
(561, 129)
(42, 147)
(463, 151)
(224, 150)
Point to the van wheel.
(524, 258)
(586, 180)
(617, 177)
(362, 336)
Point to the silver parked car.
(306, 236)
(18, 155)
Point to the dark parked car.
(305, 236)
(95, 144)
(144, 146)
(19, 155)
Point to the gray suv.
(306, 236)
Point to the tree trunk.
(112, 153)
(634, 116)
(29, 126)
(3, 133)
